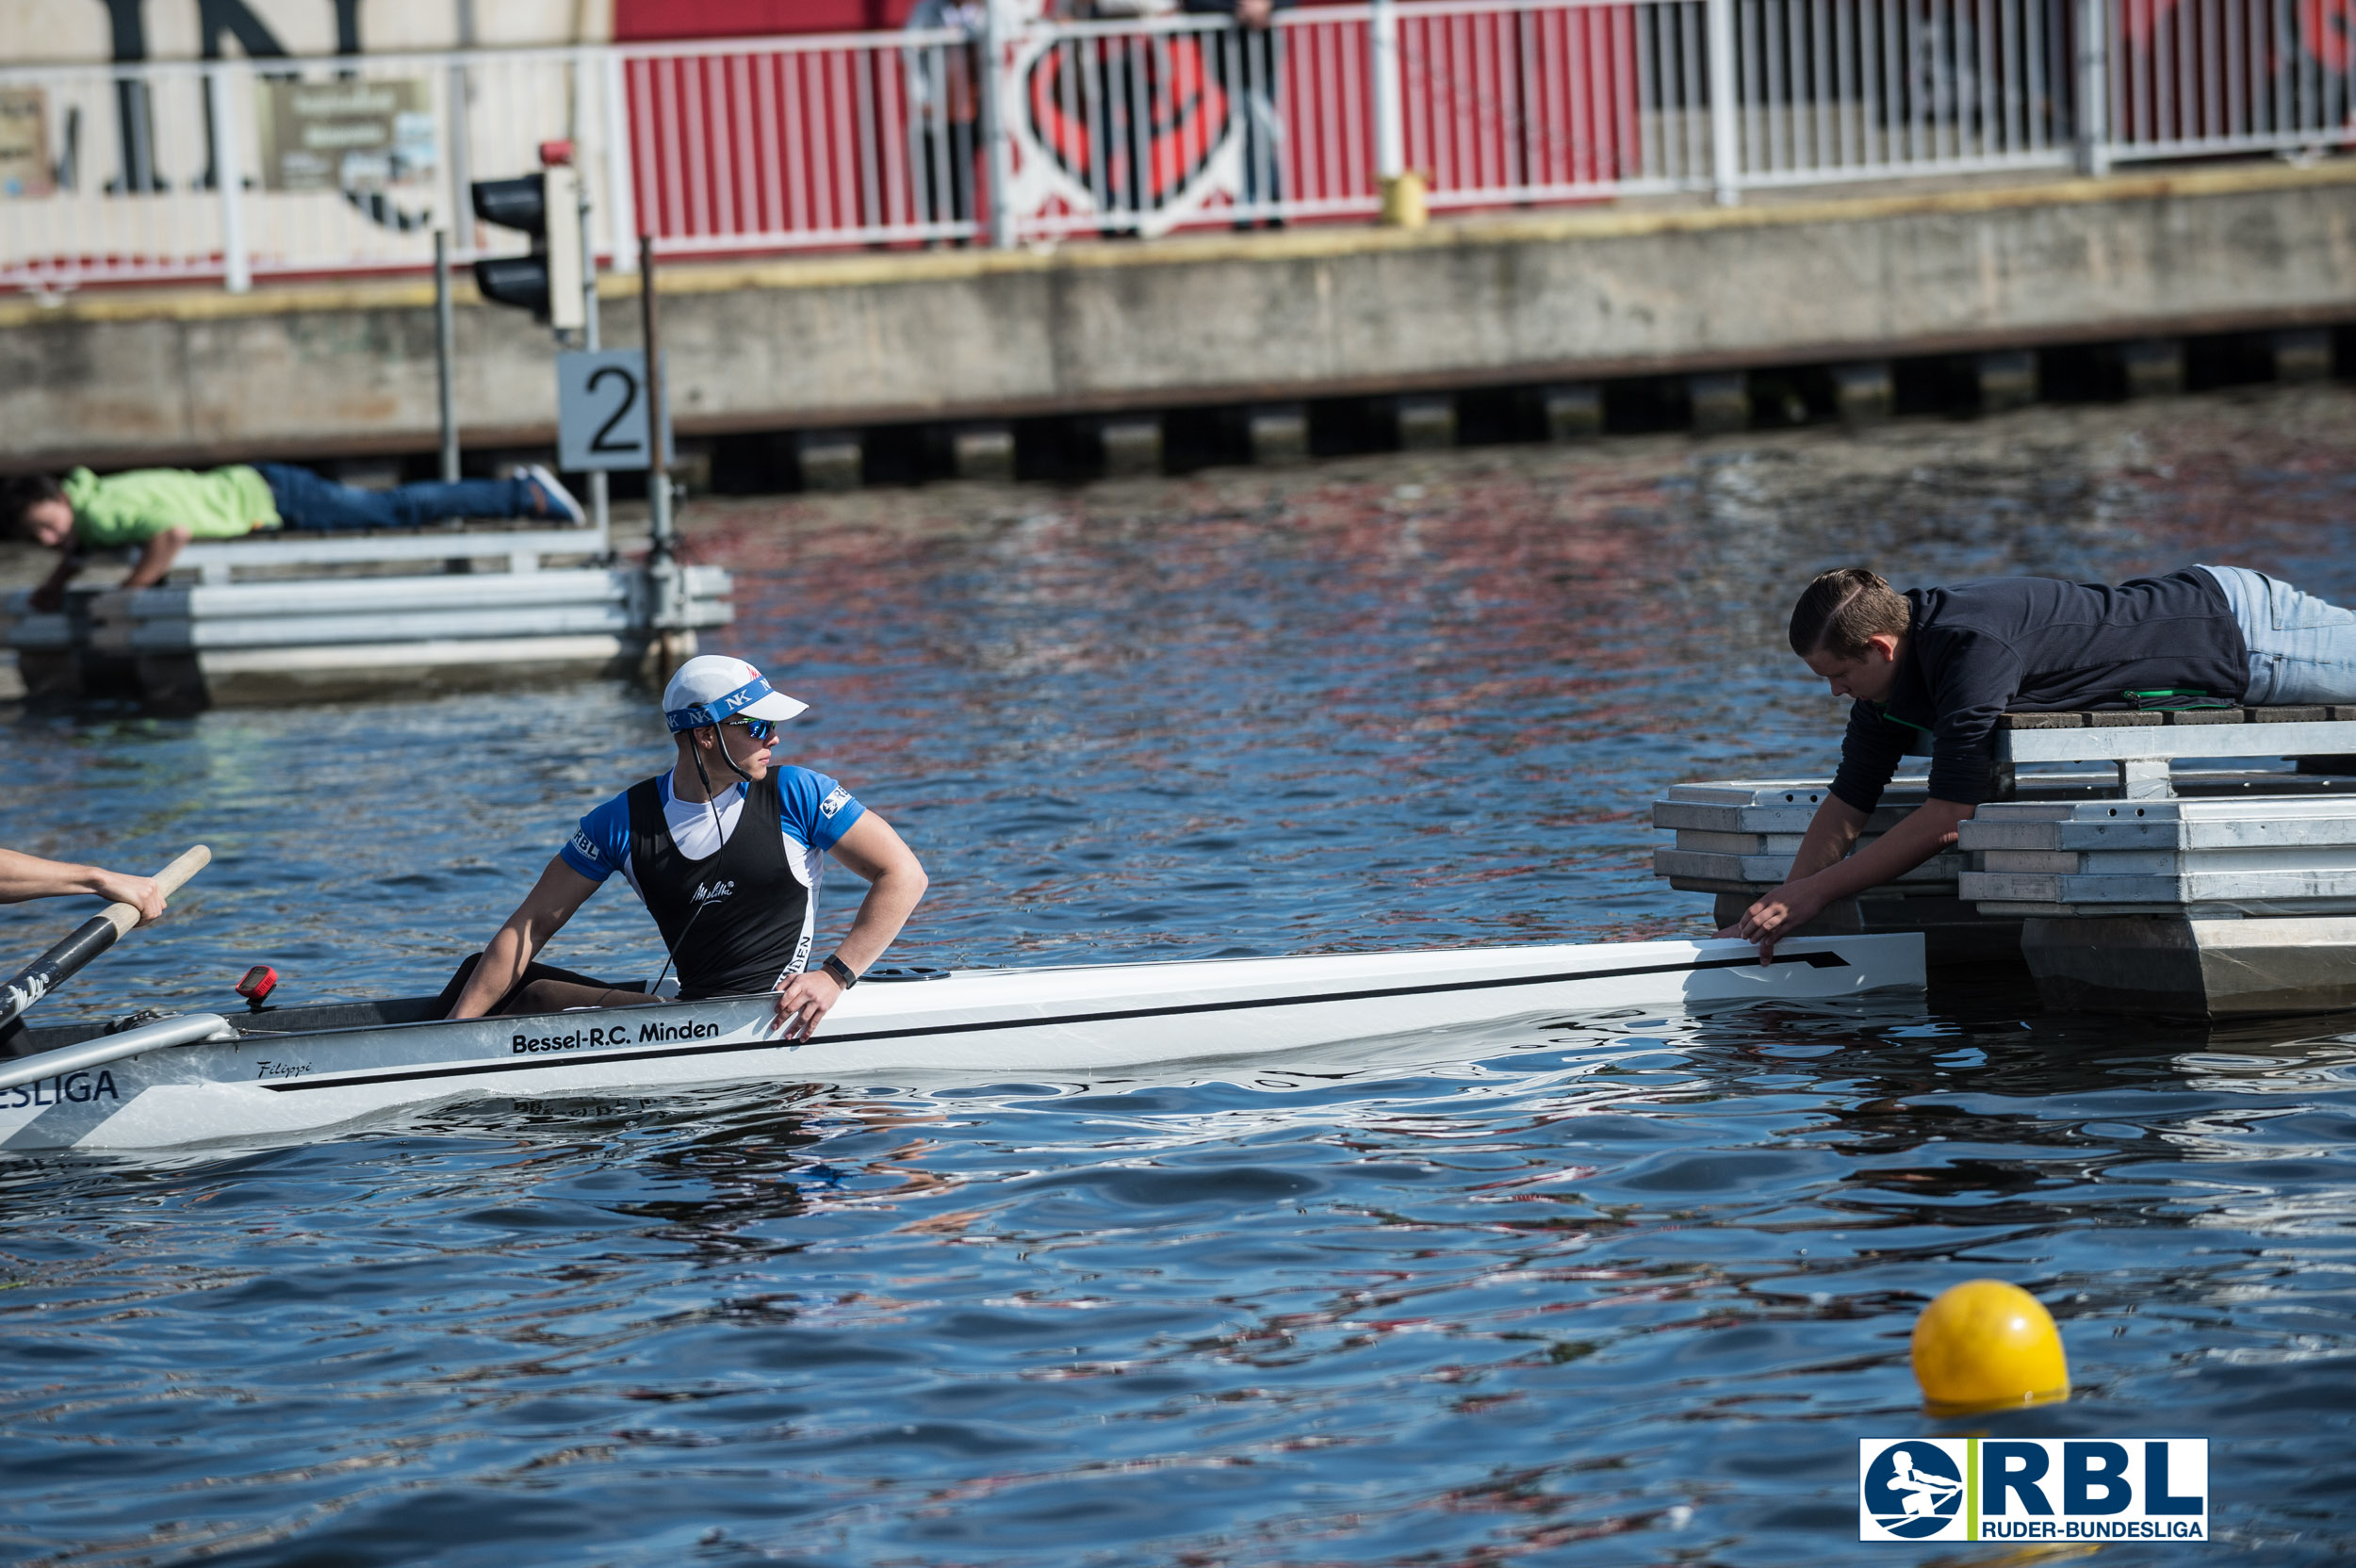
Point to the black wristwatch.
(839, 971)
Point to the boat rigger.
(292, 1071)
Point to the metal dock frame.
(289, 618)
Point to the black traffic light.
(547, 282)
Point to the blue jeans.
(305, 501)
(2301, 650)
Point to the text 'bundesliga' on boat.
(205, 1077)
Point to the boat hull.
(1077, 1021)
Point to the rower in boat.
(730, 875)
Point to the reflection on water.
(1618, 1289)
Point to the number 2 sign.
(602, 411)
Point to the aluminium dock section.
(1735, 839)
(2161, 902)
(2125, 882)
(278, 619)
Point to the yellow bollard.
(1985, 1345)
(1403, 205)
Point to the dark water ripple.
(1605, 1290)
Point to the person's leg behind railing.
(1263, 126)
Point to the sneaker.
(555, 500)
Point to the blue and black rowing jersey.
(748, 902)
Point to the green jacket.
(133, 508)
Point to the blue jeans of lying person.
(307, 501)
(2301, 649)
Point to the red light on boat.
(258, 983)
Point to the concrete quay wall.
(348, 369)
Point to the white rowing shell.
(999, 1022)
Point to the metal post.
(659, 473)
(599, 515)
(1402, 193)
(1390, 135)
(237, 266)
(1726, 138)
(461, 171)
(620, 199)
(444, 335)
(665, 581)
(997, 142)
(2094, 87)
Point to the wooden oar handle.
(124, 916)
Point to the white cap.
(712, 688)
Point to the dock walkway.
(2124, 883)
(288, 617)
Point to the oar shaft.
(43, 975)
(88, 940)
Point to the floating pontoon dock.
(285, 617)
(2124, 884)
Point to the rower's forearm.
(890, 899)
(24, 877)
(1832, 833)
(1919, 836)
(502, 964)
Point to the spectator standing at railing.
(1123, 158)
(1245, 64)
(1136, 163)
(945, 109)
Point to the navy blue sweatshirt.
(2030, 645)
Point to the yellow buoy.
(1984, 1344)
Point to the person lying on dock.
(27, 876)
(730, 875)
(1948, 662)
(160, 510)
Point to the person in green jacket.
(158, 510)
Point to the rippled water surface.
(1619, 1289)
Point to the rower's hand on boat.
(1773, 917)
(141, 892)
(806, 999)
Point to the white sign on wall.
(351, 133)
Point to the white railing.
(2204, 76)
(1554, 100)
(1872, 90)
(849, 139)
(1044, 130)
(1139, 127)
